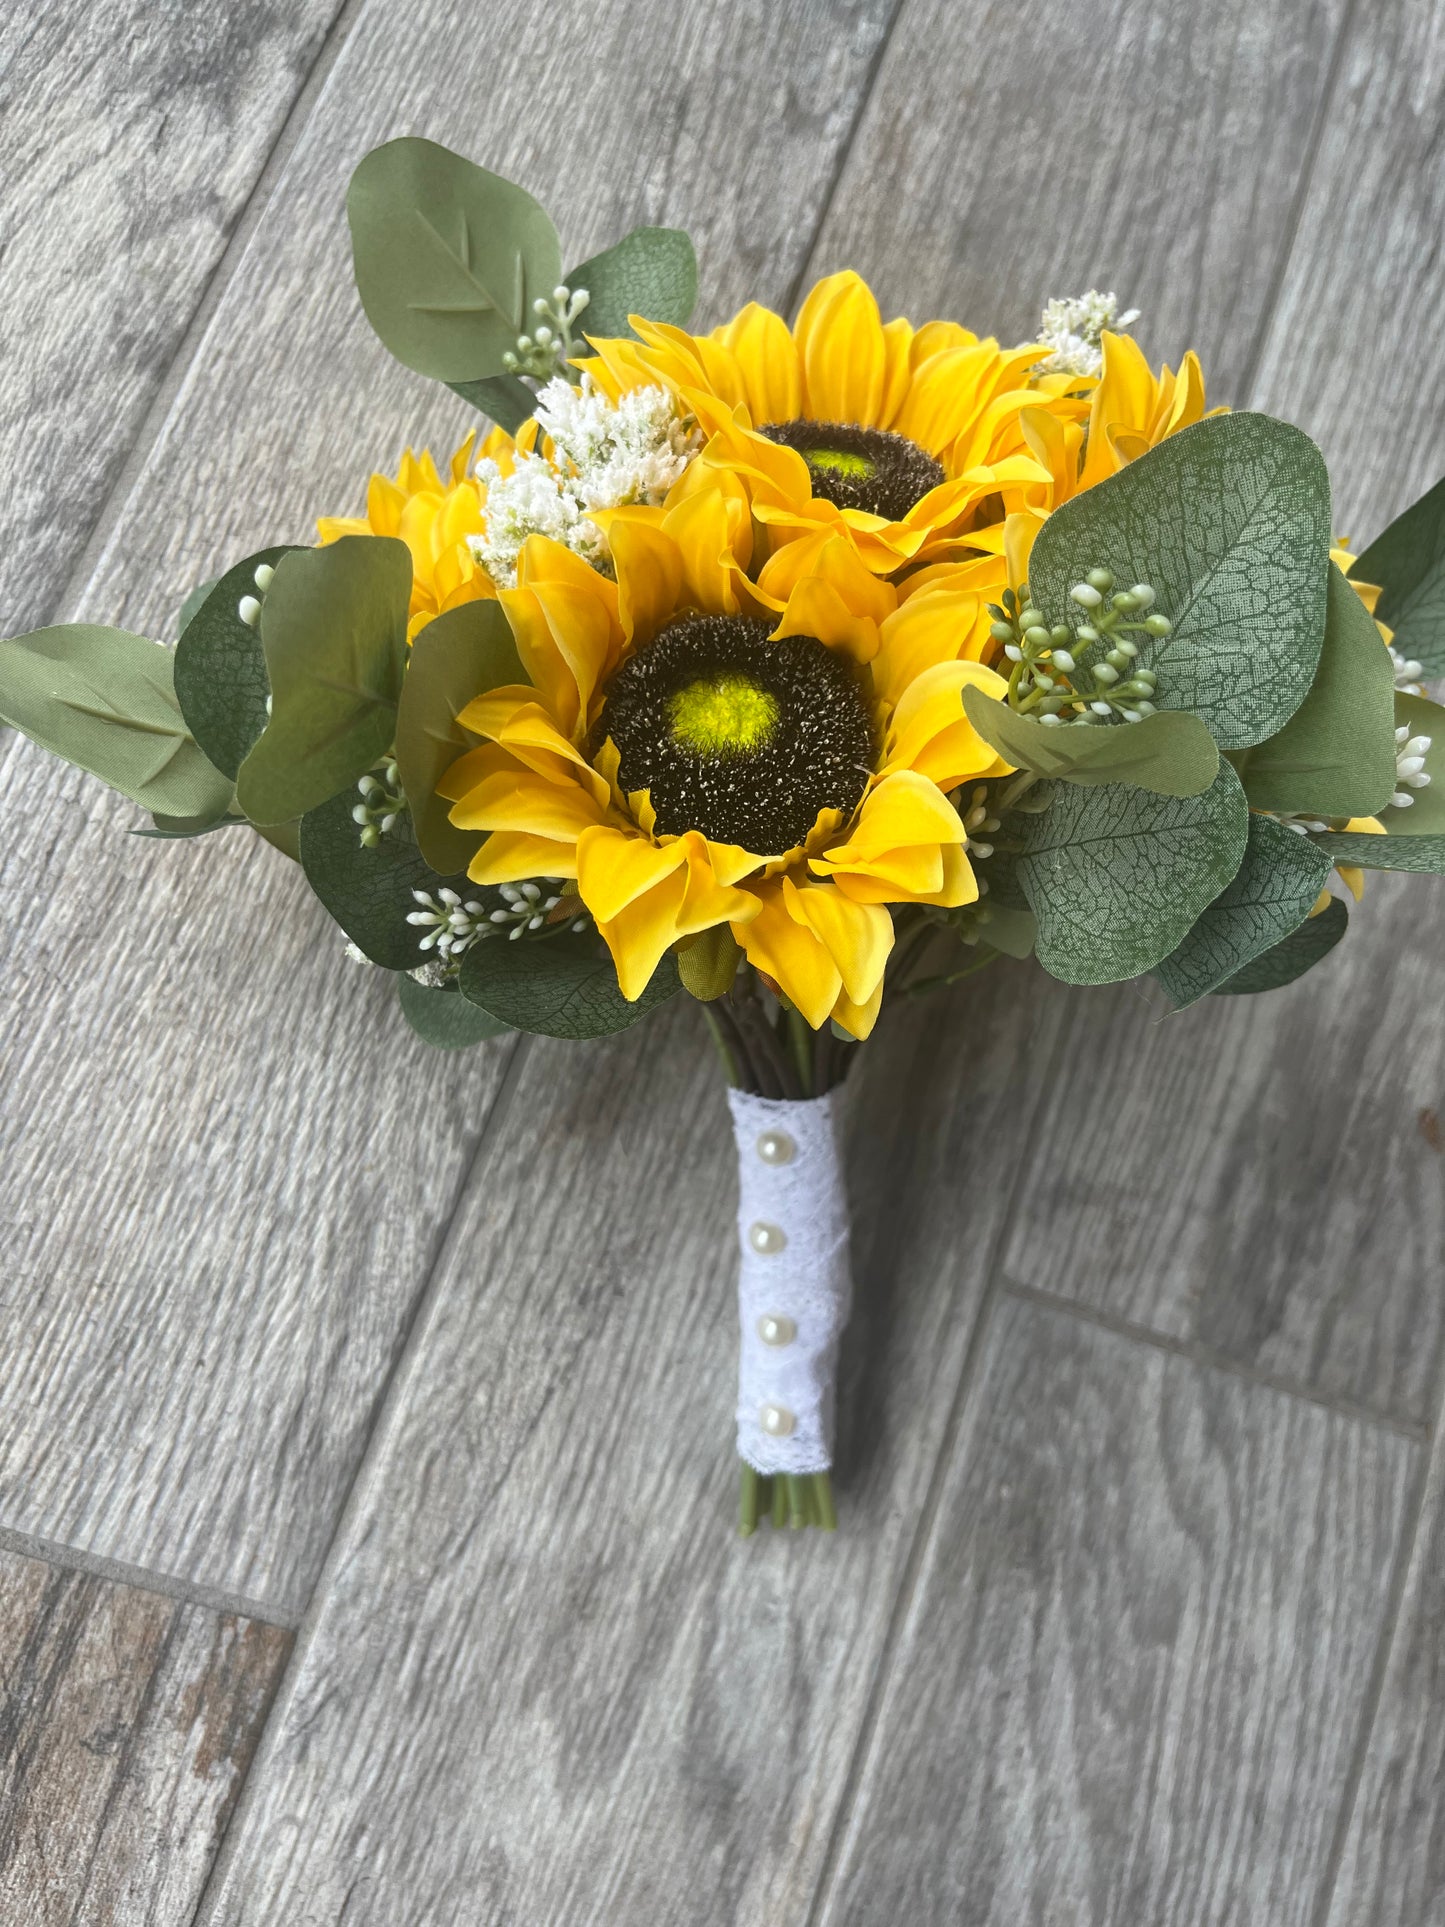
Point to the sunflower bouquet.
(792, 668)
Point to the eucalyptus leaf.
(463, 653)
(709, 963)
(1336, 754)
(105, 700)
(444, 1018)
(1116, 876)
(1424, 815)
(1229, 523)
(448, 258)
(1013, 932)
(1424, 855)
(1408, 563)
(651, 272)
(559, 986)
(1291, 957)
(193, 602)
(1270, 895)
(506, 398)
(333, 626)
(221, 681)
(369, 891)
(1170, 753)
(176, 829)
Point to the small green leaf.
(176, 829)
(462, 653)
(1424, 855)
(333, 626)
(1170, 753)
(506, 398)
(1425, 814)
(559, 986)
(1408, 563)
(448, 258)
(1014, 932)
(1229, 523)
(1292, 957)
(106, 701)
(1336, 754)
(193, 602)
(369, 891)
(1116, 876)
(651, 272)
(444, 1018)
(708, 965)
(221, 680)
(1271, 894)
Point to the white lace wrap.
(806, 1284)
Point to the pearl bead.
(776, 1147)
(776, 1420)
(767, 1239)
(774, 1329)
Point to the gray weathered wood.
(226, 1164)
(548, 1682)
(1013, 153)
(1367, 253)
(1132, 1674)
(134, 134)
(1251, 1174)
(126, 1727)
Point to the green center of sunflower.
(740, 735)
(722, 715)
(861, 468)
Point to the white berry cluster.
(1073, 330)
(605, 456)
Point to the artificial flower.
(693, 750)
(904, 441)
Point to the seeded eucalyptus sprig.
(1087, 671)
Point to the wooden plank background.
(366, 1411)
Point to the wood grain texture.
(1130, 1681)
(1252, 1175)
(126, 1726)
(1014, 153)
(1352, 357)
(227, 1165)
(134, 134)
(548, 1682)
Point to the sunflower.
(903, 441)
(694, 751)
(434, 518)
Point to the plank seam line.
(1415, 1430)
(1301, 195)
(845, 148)
(1379, 1670)
(153, 423)
(923, 1533)
(29, 1545)
(386, 1408)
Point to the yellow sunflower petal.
(522, 800)
(931, 734)
(507, 857)
(767, 360)
(857, 936)
(649, 573)
(845, 357)
(858, 1019)
(615, 867)
(789, 952)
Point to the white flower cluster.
(1410, 771)
(451, 926)
(1409, 674)
(605, 457)
(1073, 329)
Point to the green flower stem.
(800, 1036)
(722, 1046)
(798, 1500)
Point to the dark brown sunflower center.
(861, 468)
(743, 737)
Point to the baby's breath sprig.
(1048, 678)
(548, 349)
(382, 802)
